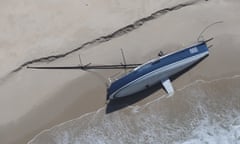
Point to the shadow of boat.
(120, 103)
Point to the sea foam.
(202, 112)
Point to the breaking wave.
(202, 112)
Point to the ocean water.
(203, 112)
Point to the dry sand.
(34, 100)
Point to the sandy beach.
(69, 106)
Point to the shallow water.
(202, 112)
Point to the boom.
(87, 67)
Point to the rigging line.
(80, 60)
(123, 56)
(206, 28)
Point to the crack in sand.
(115, 34)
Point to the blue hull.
(156, 70)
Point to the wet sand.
(202, 112)
(33, 100)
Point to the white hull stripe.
(192, 58)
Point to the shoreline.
(137, 107)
